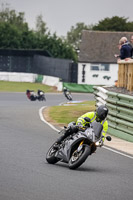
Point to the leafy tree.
(114, 24)
(9, 36)
(13, 18)
(59, 48)
(41, 27)
(74, 35)
(15, 34)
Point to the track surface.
(24, 172)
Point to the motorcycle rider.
(67, 93)
(31, 95)
(99, 116)
(41, 95)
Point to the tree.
(58, 48)
(13, 18)
(41, 27)
(15, 34)
(114, 24)
(9, 36)
(74, 35)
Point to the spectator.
(132, 46)
(126, 49)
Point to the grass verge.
(64, 114)
(6, 86)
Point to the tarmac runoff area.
(116, 145)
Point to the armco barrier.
(120, 117)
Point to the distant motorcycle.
(76, 148)
(40, 96)
(67, 94)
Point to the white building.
(97, 64)
(97, 73)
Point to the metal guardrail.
(120, 117)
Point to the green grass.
(6, 86)
(65, 114)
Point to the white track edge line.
(115, 151)
(42, 118)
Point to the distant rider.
(31, 95)
(67, 93)
(41, 95)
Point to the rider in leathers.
(100, 116)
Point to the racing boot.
(70, 130)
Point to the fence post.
(125, 74)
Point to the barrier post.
(125, 74)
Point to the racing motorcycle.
(40, 96)
(76, 148)
(67, 94)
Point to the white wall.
(18, 77)
(99, 80)
(29, 77)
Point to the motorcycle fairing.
(64, 152)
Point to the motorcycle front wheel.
(78, 158)
(50, 156)
(69, 97)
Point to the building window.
(100, 67)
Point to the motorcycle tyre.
(51, 159)
(81, 159)
(69, 98)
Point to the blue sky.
(60, 15)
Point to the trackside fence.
(120, 117)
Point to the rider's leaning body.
(93, 117)
(100, 116)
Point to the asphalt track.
(24, 172)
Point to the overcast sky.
(60, 15)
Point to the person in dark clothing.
(30, 94)
(126, 48)
(41, 95)
(132, 46)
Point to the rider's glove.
(87, 119)
(74, 129)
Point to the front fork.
(92, 146)
(80, 146)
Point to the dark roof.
(100, 46)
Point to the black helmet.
(101, 113)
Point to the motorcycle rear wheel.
(78, 158)
(50, 156)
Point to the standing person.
(126, 49)
(132, 46)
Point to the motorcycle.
(67, 94)
(76, 148)
(40, 96)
